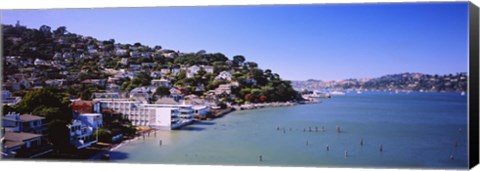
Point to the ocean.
(414, 130)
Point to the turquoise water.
(417, 130)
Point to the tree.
(48, 103)
(7, 109)
(46, 30)
(60, 31)
(50, 113)
(59, 135)
(238, 60)
(104, 135)
(162, 91)
(251, 64)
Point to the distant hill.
(403, 81)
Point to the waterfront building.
(160, 116)
(81, 135)
(200, 111)
(14, 122)
(94, 120)
(24, 145)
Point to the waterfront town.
(68, 96)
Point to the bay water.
(415, 130)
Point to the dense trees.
(44, 102)
(162, 91)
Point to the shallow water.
(417, 130)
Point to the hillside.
(81, 65)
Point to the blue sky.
(327, 42)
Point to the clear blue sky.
(299, 42)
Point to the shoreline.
(113, 147)
(253, 106)
(215, 114)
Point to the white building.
(93, 120)
(155, 74)
(224, 75)
(176, 70)
(200, 111)
(134, 54)
(120, 52)
(38, 62)
(208, 68)
(165, 71)
(124, 61)
(191, 71)
(223, 88)
(135, 66)
(55, 82)
(81, 135)
(160, 116)
(160, 82)
(170, 116)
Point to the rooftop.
(10, 144)
(29, 117)
(20, 136)
(90, 114)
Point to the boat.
(462, 93)
(316, 94)
(337, 93)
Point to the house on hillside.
(160, 82)
(9, 99)
(155, 74)
(14, 122)
(224, 75)
(124, 61)
(164, 71)
(191, 71)
(208, 68)
(39, 62)
(55, 82)
(135, 67)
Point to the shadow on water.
(191, 128)
(116, 155)
(204, 123)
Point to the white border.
(87, 166)
(49, 4)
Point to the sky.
(299, 42)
